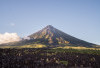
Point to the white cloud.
(97, 43)
(12, 24)
(26, 38)
(9, 37)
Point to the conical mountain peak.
(51, 35)
(49, 27)
(48, 30)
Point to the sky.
(79, 18)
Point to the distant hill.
(51, 37)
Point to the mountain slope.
(53, 36)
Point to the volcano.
(49, 37)
(52, 36)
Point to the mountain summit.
(52, 36)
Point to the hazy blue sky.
(79, 18)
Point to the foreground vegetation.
(49, 58)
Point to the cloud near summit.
(9, 37)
